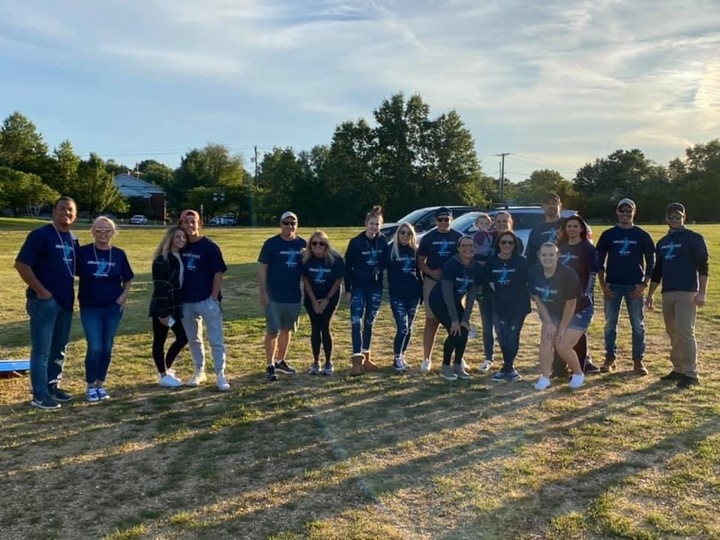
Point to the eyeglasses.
(318, 243)
(442, 219)
(675, 217)
(290, 223)
(405, 232)
(506, 243)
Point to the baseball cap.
(552, 197)
(675, 207)
(443, 212)
(626, 202)
(186, 213)
(288, 215)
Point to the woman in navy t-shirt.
(564, 310)
(452, 304)
(405, 288)
(322, 274)
(105, 279)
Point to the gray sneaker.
(448, 373)
(315, 368)
(461, 373)
(328, 369)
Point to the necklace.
(67, 249)
(103, 266)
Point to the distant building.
(143, 197)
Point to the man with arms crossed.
(46, 263)
(279, 275)
(203, 269)
(681, 263)
(436, 248)
(626, 254)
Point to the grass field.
(384, 456)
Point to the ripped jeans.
(364, 306)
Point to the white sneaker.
(543, 383)
(198, 378)
(426, 366)
(576, 381)
(222, 383)
(464, 365)
(168, 381)
(485, 366)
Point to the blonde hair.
(483, 215)
(164, 246)
(330, 253)
(375, 212)
(395, 252)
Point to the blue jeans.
(100, 326)
(486, 317)
(49, 335)
(636, 314)
(404, 309)
(508, 334)
(364, 306)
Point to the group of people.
(447, 271)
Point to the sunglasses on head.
(442, 219)
(290, 223)
(318, 243)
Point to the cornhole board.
(14, 365)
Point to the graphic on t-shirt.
(190, 258)
(466, 281)
(670, 253)
(566, 258)
(444, 250)
(545, 292)
(407, 265)
(319, 273)
(625, 247)
(292, 256)
(102, 268)
(504, 277)
(374, 256)
(67, 252)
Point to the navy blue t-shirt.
(681, 257)
(510, 278)
(438, 247)
(102, 274)
(402, 272)
(284, 262)
(364, 262)
(581, 257)
(630, 255)
(463, 279)
(541, 234)
(323, 275)
(52, 255)
(554, 291)
(201, 260)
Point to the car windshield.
(413, 216)
(463, 222)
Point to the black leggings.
(163, 361)
(320, 327)
(453, 344)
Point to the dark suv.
(423, 219)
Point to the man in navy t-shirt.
(279, 274)
(626, 254)
(548, 230)
(204, 267)
(681, 263)
(46, 263)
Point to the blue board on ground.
(14, 365)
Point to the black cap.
(443, 212)
(675, 207)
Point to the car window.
(525, 220)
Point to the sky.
(557, 83)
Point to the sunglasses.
(103, 231)
(318, 243)
(442, 219)
(626, 211)
(675, 217)
(506, 243)
(405, 232)
(290, 223)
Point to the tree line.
(404, 159)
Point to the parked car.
(423, 219)
(223, 221)
(525, 218)
(138, 219)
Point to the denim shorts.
(580, 321)
(281, 316)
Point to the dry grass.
(386, 456)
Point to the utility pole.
(254, 187)
(501, 184)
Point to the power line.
(501, 187)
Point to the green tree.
(279, 177)
(95, 191)
(65, 168)
(22, 147)
(156, 173)
(21, 191)
(533, 189)
(698, 180)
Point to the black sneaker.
(46, 403)
(672, 376)
(283, 367)
(590, 368)
(687, 382)
(60, 395)
(270, 374)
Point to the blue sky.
(556, 82)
